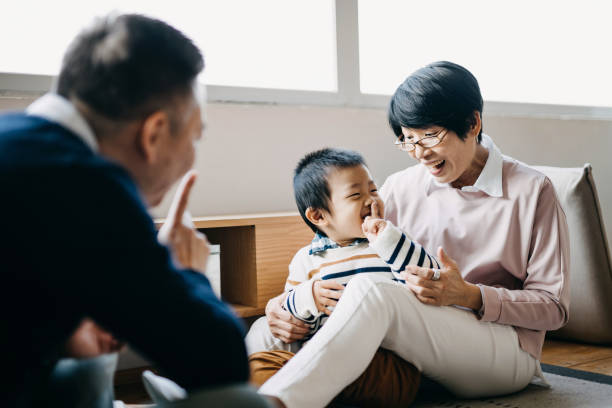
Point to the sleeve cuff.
(305, 305)
(386, 241)
(491, 304)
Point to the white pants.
(469, 357)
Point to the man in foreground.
(78, 171)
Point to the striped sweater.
(387, 256)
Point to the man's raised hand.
(189, 247)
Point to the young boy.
(338, 200)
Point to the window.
(551, 52)
(531, 58)
(276, 44)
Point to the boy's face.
(352, 193)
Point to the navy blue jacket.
(75, 241)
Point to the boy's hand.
(373, 223)
(326, 293)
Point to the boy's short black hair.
(443, 94)
(310, 185)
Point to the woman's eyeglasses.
(426, 142)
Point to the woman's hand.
(326, 294)
(282, 324)
(449, 289)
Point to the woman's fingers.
(446, 260)
(428, 300)
(289, 329)
(419, 281)
(422, 291)
(424, 295)
(283, 324)
(287, 337)
(291, 323)
(277, 315)
(426, 273)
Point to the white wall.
(249, 152)
(247, 159)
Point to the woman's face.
(448, 160)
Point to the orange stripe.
(314, 271)
(294, 283)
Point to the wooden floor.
(585, 357)
(596, 359)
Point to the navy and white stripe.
(326, 260)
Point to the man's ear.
(152, 134)
(316, 216)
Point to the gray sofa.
(591, 266)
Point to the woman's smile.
(435, 167)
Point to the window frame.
(348, 94)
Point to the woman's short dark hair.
(310, 186)
(126, 67)
(441, 94)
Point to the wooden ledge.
(237, 220)
(248, 311)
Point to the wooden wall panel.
(238, 267)
(276, 243)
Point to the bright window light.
(281, 44)
(543, 51)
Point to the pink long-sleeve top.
(507, 233)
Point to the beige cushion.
(591, 268)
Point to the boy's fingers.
(332, 284)
(375, 210)
(330, 302)
(366, 223)
(332, 294)
(369, 223)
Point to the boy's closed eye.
(354, 195)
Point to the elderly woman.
(477, 325)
